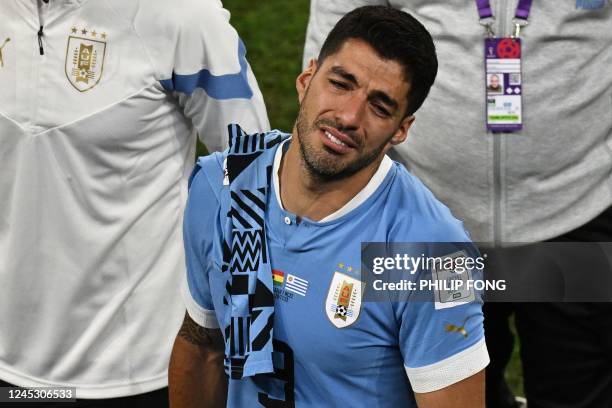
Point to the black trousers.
(153, 399)
(566, 348)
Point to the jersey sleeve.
(202, 62)
(324, 14)
(200, 215)
(441, 346)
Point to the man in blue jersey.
(273, 231)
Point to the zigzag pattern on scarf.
(245, 256)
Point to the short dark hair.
(394, 35)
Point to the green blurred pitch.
(273, 32)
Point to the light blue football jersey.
(330, 347)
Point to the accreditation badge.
(503, 84)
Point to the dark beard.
(322, 167)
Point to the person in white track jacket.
(100, 105)
(550, 181)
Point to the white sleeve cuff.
(449, 371)
(203, 317)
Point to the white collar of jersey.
(361, 197)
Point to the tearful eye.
(381, 111)
(338, 84)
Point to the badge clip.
(487, 23)
(519, 23)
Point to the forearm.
(468, 393)
(196, 376)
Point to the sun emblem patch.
(85, 54)
(343, 302)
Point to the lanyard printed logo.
(2, 48)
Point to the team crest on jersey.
(343, 302)
(85, 54)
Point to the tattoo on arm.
(200, 336)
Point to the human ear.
(402, 131)
(303, 80)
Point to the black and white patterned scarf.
(249, 293)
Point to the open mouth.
(334, 139)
